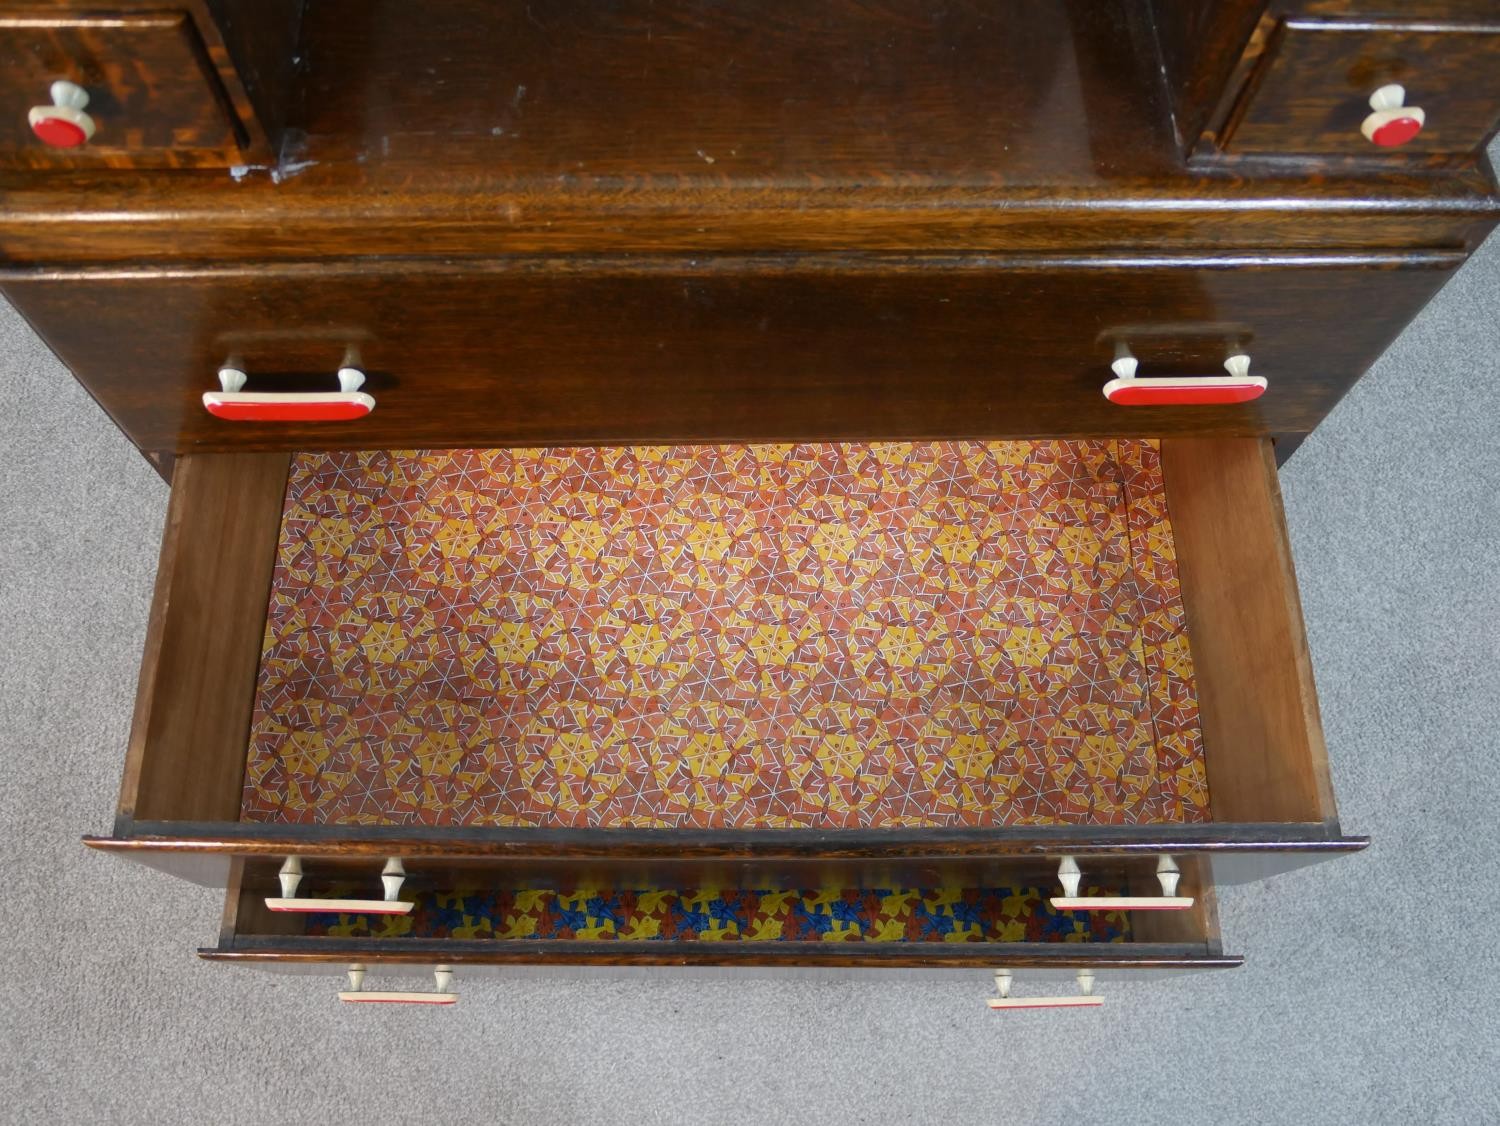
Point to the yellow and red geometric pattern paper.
(886, 635)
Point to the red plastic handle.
(242, 406)
(1182, 392)
(344, 405)
(1130, 390)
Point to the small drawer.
(151, 91)
(140, 85)
(1436, 89)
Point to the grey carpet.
(1369, 993)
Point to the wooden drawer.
(1310, 82)
(472, 916)
(1151, 697)
(559, 351)
(191, 87)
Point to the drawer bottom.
(835, 636)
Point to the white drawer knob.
(1068, 875)
(1167, 874)
(1392, 121)
(392, 876)
(63, 124)
(291, 876)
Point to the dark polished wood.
(1285, 445)
(1201, 43)
(197, 686)
(249, 839)
(205, 853)
(986, 956)
(1310, 89)
(480, 129)
(1216, 54)
(208, 218)
(255, 50)
(152, 93)
(602, 221)
(192, 84)
(576, 92)
(163, 461)
(1412, 11)
(519, 352)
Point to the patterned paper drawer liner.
(674, 915)
(933, 634)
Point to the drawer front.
(152, 94)
(538, 352)
(1311, 90)
(484, 915)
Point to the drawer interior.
(1140, 661)
(830, 636)
(496, 914)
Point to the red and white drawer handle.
(358, 994)
(1085, 998)
(344, 405)
(1167, 874)
(1392, 121)
(391, 876)
(63, 124)
(1131, 390)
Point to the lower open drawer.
(483, 914)
(904, 662)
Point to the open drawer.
(465, 916)
(900, 663)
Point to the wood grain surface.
(192, 717)
(529, 352)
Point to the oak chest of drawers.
(731, 483)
